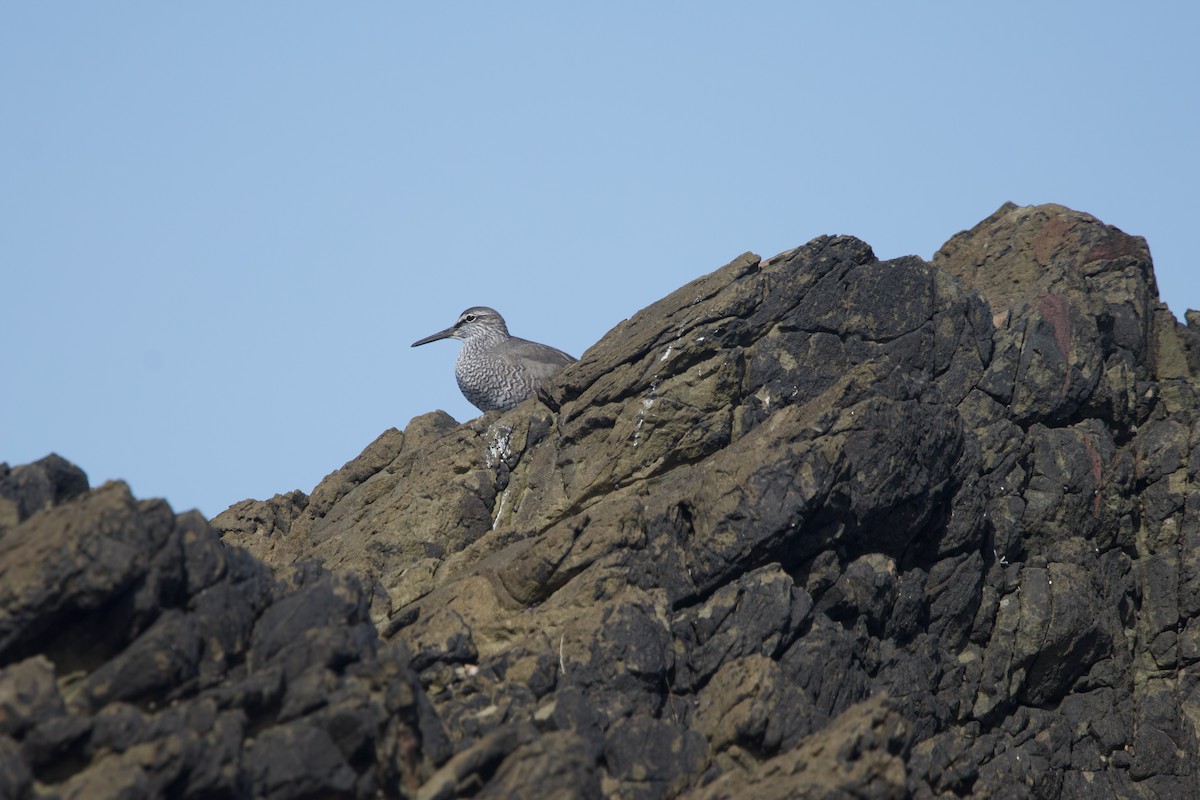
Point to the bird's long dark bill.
(439, 335)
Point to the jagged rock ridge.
(818, 525)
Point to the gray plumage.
(497, 371)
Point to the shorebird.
(496, 371)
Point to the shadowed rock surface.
(816, 526)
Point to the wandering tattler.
(495, 370)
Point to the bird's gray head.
(477, 322)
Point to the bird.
(496, 370)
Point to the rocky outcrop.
(142, 658)
(815, 526)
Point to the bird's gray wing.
(539, 360)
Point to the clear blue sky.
(222, 224)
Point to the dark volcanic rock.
(816, 526)
(141, 657)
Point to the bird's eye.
(469, 318)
